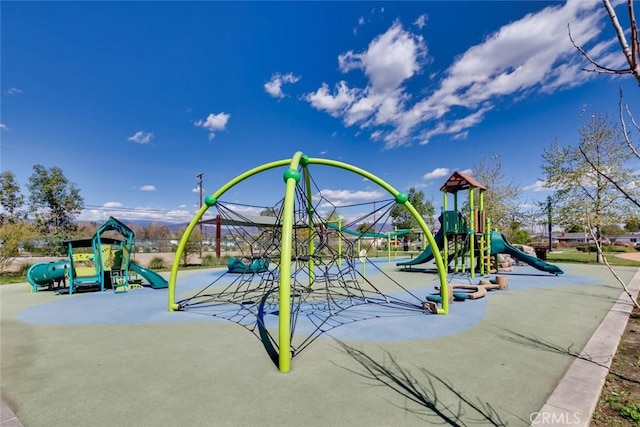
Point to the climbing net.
(329, 288)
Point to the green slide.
(155, 280)
(500, 245)
(427, 254)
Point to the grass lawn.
(573, 255)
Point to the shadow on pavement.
(424, 392)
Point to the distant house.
(627, 239)
(580, 237)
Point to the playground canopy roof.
(87, 243)
(113, 224)
(459, 181)
(232, 218)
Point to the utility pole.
(199, 176)
(550, 223)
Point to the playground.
(362, 340)
(105, 359)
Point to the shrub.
(612, 248)
(24, 268)
(208, 261)
(156, 263)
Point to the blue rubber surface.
(368, 322)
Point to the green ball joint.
(304, 160)
(402, 198)
(292, 173)
(210, 201)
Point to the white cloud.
(274, 86)
(117, 210)
(148, 188)
(528, 55)
(468, 172)
(182, 206)
(344, 197)
(361, 22)
(112, 205)
(461, 135)
(390, 58)
(421, 21)
(14, 91)
(537, 187)
(323, 100)
(436, 173)
(214, 123)
(141, 137)
(3, 126)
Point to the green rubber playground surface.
(497, 371)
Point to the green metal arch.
(284, 326)
(187, 233)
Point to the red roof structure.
(459, 181)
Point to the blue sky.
(132, 100)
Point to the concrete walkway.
(576, 397)
(7, 417)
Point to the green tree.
(54, 202)
(12, 235)
(611, 230)
(633, 224)
(401, 218)
(193, 246)
(365, 227)
(269, 211)
(11, 199)
(574, 228)
(519, 236)
(501, 197)
(581, 192)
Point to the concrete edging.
(7, 417)
(575, 398)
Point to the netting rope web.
(328, 287)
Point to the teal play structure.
(48, 274)
(255, 265)
(95, 263)
(470, 237)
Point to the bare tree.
(631, 50)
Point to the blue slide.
(155, 280)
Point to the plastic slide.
(155, 280)
(500, 245)
(427, 254)
(46, 273)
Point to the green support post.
(483, 253)
(310, 245)
(472, 242)
(445, 240)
